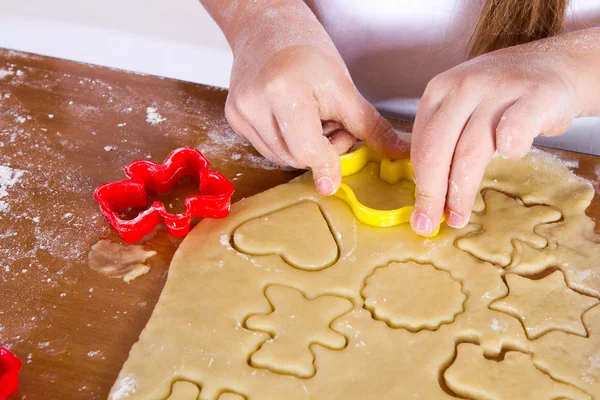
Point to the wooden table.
(68, 128)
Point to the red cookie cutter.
(9, 373)
(213, 201)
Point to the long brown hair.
(505, 23)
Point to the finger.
(431, 154)
(330, 127)
(474, 151)
(246, 130)
(341, 140)
(264, 127)
(271, 133)
(430, 103)
(530, 116)
(362, 120)
(304, 138)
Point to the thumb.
(301, 128)
(367, 124)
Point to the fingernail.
(325, 186)
(421, 224)
(455, 220)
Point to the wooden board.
(70, 127)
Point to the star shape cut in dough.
(545, 305)
(571, 358)
(504, 220)
(295, 324)
(528, 260)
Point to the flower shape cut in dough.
(413, 296)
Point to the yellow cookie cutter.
(389, 171)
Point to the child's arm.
(287, 78)
(497, 102)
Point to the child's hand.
(287, 78)
(497, 102)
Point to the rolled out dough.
(377, 332)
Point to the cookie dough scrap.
(295, 324)
(515, 377)
(544, 305)
(503, 220)
(295, 233)
(116, 260)
(202, 328)
(413, 296)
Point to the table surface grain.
(66, 128)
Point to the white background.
(170, 38)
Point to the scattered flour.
(224, 239)
(8, 177)
(109, 148)
(582, 275)
(125, 387)
(591, 373)
(487, 296)
(571, 163)
(499, 326)
(4, 73)
(227, 139)
(153, 117)
(226, 143)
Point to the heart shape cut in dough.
(299, 234)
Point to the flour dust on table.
(290, 297)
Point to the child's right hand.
(287, 78)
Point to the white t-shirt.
(394, 47)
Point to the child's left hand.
(496, 102)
